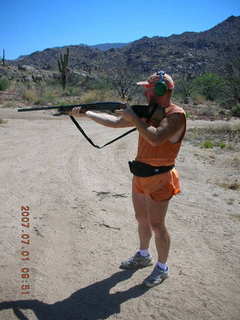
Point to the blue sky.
(27, 26)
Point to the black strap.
(141, 169)
(91, 142)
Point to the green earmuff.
(160, 88)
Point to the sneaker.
(137, 261)
(157, 276)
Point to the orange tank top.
(164, 154)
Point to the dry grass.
(224, 136)
(55, 95)
(199, 99)
(30, 95)
(3, 121)
(98, 95)
(235, 217)
(235, 162)
(230, 185)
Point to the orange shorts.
(159, 187)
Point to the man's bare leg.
(141, 214)
(157, 212)
(142, 258)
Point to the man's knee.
(158, 227)
(142, 218)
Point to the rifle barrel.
(36, 109)
(89, 106)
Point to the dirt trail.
(82, 225)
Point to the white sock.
(163, 266)
(144, 252)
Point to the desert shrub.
(40, 94)
(234, 185)
(236, 110)
(188, 115)
(2, 121)
(72, 91)
(96, 84)
(100, 84)
(30, 95)
(232, 71)
(4, 83)
(230, 147)
(225, 136)
(198, 98)
(209, 85)
(235, 162)
(207, 144)
(97, 95)
(183, 90)
(221, 145)
(123, 83)
(44, 100)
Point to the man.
(155, 179)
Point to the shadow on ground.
(90, 303)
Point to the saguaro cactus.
(63, 67)
(3, 58)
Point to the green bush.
(210, 85)
(188, 115)
(183, 90)
(221, 145)
(236, 110)
(4, 84)
(207, 144)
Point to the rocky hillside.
(107, 46)
(190, 53)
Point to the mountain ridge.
(189, 52)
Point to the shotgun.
(141, 110)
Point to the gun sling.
(91, 142)
(106, 144)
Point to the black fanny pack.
(141, 169)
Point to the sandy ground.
(82, 226)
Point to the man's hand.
(77, 112)
(128, 114)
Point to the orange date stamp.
(25, 250)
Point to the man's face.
(161, 100)
(149, 94)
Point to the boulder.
(37, 77)
(25, 67)
(27, 78)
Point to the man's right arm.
(104, 119)
(108, 120)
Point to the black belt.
(141, 169)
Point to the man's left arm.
(155, 136)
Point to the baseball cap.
(156, 77)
